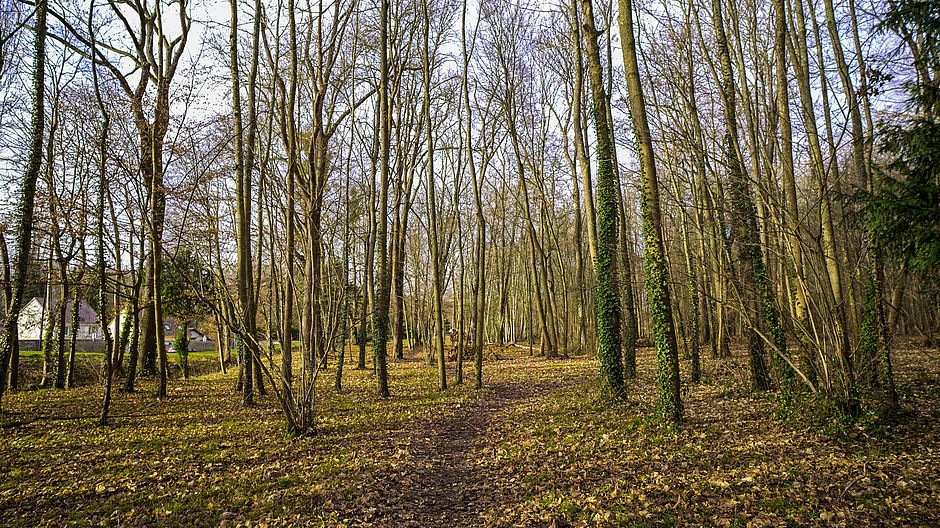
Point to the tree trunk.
(657, 273)
(25, 205)
(380, 341)
(607, 290)
(748, 261)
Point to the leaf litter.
(535, 447)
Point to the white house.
(35, 316)
(170, 329)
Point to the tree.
(479, 277)
(183, 287)
(101, 275)
(25, 205)
(750, 271)
(657, 273)
(901, 212)
(607, 290)
(380, 325)
(244, 167)
(427, 70)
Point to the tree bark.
(25, 205)
(657, 273)
(607, 289)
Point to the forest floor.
(535, 447)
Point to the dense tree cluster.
(345, 181)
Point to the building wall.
(83, 345)
(27, 345)
(31, 321)
(89, 332)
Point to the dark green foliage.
(900, 211)
(873, 347)
(184, 283)
(774, 332)
(181, 345)
(918, 21)
(903, 212)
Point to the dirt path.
(433, 480)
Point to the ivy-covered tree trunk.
(656, 270)
(629, 332)
(125, 323)
(4, 307)
(50, 320)
(134, 346)
(380, 326)
(73, 338)
(181, 344)
(607, 287)
(756, 293)
(62, 323)
(26, 198)
(14, 361)
(101, 272)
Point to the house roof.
(86, 314)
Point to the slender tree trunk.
(287, 332)
(100, 264)
(692, 278)
(479, 277)
(580, 142)
(156, 249)
(380, 341)
(134, 346)
(243, 220)
(748, 261)
(862, 175)
(607, 290)
(14, 362)
(657, 273)
(73, 338)
(791, 213)
(62, 322)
